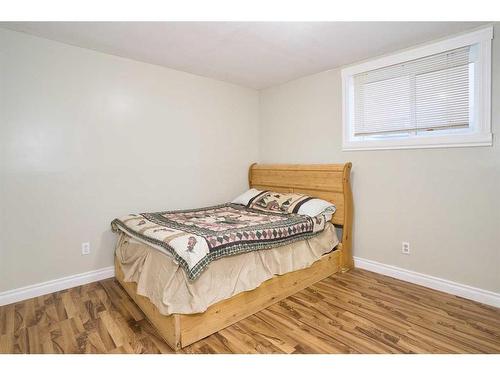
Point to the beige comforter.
(166, 284)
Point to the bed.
(182, 327)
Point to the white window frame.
(480, 130)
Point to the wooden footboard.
(327, 181)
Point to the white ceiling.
(252, 54)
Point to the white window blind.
(430, 93)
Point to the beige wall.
(446, 202)
(86, 136)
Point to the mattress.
(168, 287)
(197, 237)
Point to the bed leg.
(346, 259)
(177, 332)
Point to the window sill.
(477, 140)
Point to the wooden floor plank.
(355, 312)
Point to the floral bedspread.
(197, 237)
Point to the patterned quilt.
(197, 237)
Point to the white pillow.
(246, 196)
(316, 206)
(312, 207)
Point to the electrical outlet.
(85, 248)
(405, 247)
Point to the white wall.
(446, 202)
(86, 137)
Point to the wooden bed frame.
(326, 181)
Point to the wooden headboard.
(330, 182)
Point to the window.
(438, 95)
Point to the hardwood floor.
(354, 312)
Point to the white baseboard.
(451, 287)
(36, 290)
